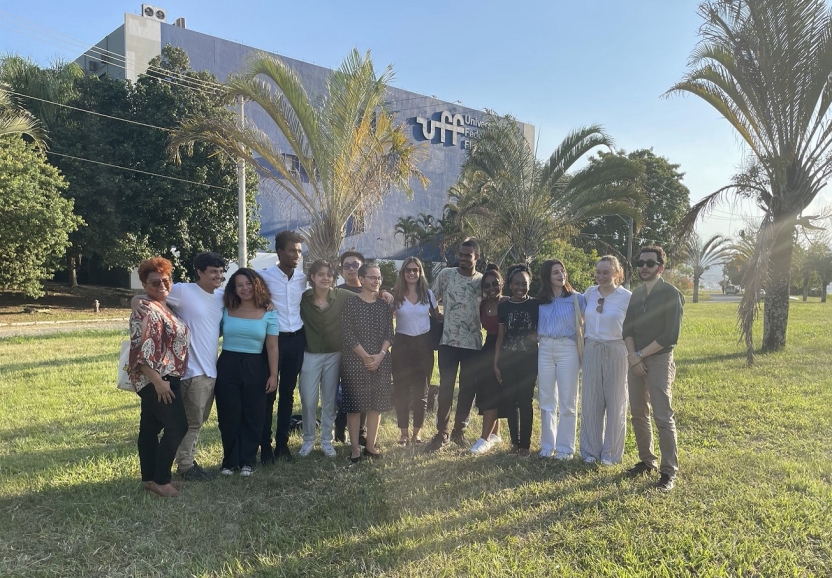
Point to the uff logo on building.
(455, 124)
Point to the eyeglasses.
(353, 265)
(373, 278)
(412, 271)
(648, 263)
(492, 285)
(600, 308)
(157, 282)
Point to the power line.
(89, 111)
(138, 171)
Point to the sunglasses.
(414, 271)
(600, 308)
(372, 278)
(353, 265)
(492, 285)
(648, 263)
(157, 282)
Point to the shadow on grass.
(52, 363)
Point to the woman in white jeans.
(604, 387)
(557, 362)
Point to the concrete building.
(445, 128)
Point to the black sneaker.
(438, 442)
(341, 436)
(458, 437)
(639, 470)
(283, 454)
(196, 473)
(665, 483)
(266, 455)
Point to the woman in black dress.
(367, 334)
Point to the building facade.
(444, 129)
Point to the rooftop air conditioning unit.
(180, 22)
(154, 12)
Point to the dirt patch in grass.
(61, 304)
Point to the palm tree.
(407, 228)
(348, 153)
(509, 193)
(701, 256)
(15, 120)
(764, 66)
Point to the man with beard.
(651, 329)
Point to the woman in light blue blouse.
(558, 362)
(244, 375)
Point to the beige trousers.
(198, 397)
(654, 390)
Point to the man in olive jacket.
(651, 330)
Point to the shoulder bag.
(579, 328)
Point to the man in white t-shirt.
(199, 305)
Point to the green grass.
(753, 497)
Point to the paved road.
(61, 327)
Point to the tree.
(667, 201)
(764, 66)
(526, 203)
(701, 256)
(132, 215)
(15, 120)
(821, 258)
(35, 220)
(348, 152)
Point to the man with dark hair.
(200, 307)
(651, 330)
(459, 289)
(350, 262)
(286, 284)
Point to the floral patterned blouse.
(159, 339)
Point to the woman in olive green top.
(320, 310)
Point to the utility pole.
(242, 250)
(629, 252)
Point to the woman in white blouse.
(412, 350)
(604, 391)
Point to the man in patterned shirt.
(459, 289)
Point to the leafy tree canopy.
(35, 220)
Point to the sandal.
(403, 441)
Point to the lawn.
(753, 497)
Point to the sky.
(556, 64)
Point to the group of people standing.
(341, 343)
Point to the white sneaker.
(246, 471)
(306, 449)
(563, 456)
(607, 463)
(328, 450)
(545, 454)
(481, 446)
(590, 460)
(226, 472)
(495, 439)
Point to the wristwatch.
(639, 353)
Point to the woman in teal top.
(244, 377)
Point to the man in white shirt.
(200, 307)
(286, 285)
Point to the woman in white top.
(412, 351)
(604, 393)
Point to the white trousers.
(604, 395)
(319, 374)
(557, 390)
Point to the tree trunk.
(696, 288)
(824, 284)
(805, 288)
(72, 271)
(776, 310)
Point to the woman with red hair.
(158, 358)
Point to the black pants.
(412, 364)
(519, 372)
(291, 346)
(452, 359)
(156, 454)
(241, 400)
